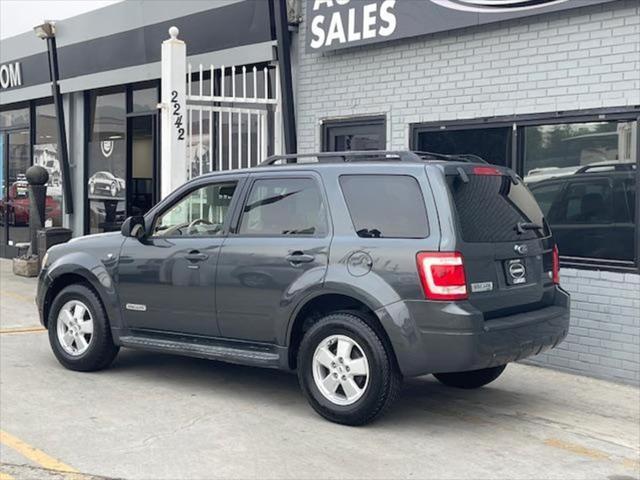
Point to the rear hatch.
(504, 239)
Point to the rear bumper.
(431, 337)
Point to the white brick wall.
(604, 337)
(577, 59)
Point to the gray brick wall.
(577, 59)
(604, 338)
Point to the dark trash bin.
(48, 237)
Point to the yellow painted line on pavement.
(33, 454)
(15, 330)
(6, 476)
(19, 296)
(577, 449)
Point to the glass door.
(142, 166)
(14, 209)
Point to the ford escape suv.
(354, 269)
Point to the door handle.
(196, 256)
(297, 258)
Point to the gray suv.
(354, 269)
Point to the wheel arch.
(313, 308)
(96, 278)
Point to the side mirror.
(134, 227)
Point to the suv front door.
(166, 281)
(278, 248)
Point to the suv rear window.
(490, 207)
(385, 206)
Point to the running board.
(211, 349)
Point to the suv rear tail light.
(442, 275)
(556, 265)
(486, 171)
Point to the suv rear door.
(504, 239)
(278, 247)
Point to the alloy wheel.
(75, 327)
(340, 370)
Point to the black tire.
(471, 379)
(384, 381)
(101, 351)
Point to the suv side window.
(201, 212)
(586, 202)
(388, 206)
(284, 206)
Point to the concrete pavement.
(159, 416)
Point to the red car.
(17, 204)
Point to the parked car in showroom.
(106, 183)
(355, 271)
(16, 208)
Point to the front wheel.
(471, 379)
(79, 331)
(344, 370)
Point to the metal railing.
(231, 123)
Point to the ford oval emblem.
(517, 270)
(521, 249)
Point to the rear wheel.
(345, 371)
(471, 379)
(79, 331)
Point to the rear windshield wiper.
(366, 233)
(521, 227)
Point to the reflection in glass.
(45, 153)
(553, 150)
(14, 118)
(200, 213)
(491, 144)
(17, 204)
(107, 162)
(142, 150)
(145, 100)
(584, 177)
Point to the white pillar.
(173, 171)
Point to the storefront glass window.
(107, 162)
(14, 118)
(584, 177)
(491, 144)
(45, 153)
(145, 100)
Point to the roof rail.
(616, 166)
(367, 156)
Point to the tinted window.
(594, 216)
(355, 134)
(491, 207)
(491, 144)
(285, 206)
(201, 213)
(388, 206)
(584, 177)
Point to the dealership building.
(549, 88)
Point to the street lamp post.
(47, 31)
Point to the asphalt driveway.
(159, 416)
